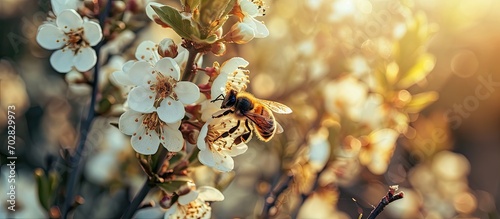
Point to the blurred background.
(318, 55)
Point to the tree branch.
(76, 160)
(138, 199)
(386, 200)
(272, 196)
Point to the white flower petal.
(126, 67)
(182, 56)
(200, 142)
(224, 163)
(145, 141)
(171, 212)
(248, 8)
(141, 99)
(50, 37)
(141, 73)
(85, 59)
(130, 121)
(206, 158)
(168, 67)
(150, 11)
(170, 110)
(208, 108)
(260, 28)
(218, 87)
(60, 5)
(68, 20)
(62, 60)
(187, 198)
(237, 150)
(172, 139)
(121, 78)
(232, 64)
(147, 51)
(148, 213)
(208, 193)
(187, 92)
(92, 32)
(241, 33)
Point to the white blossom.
(220, 140)
(73, 37)
(148, 131)
(247, 11)
(156, 84)
(194, 204)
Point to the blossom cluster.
(163, 104)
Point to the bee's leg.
(246, 136)
(220, 97)
(223, 113)
(247, 125)
(230, 131)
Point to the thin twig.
(138, 199)
(85, 128)
(390, 197)
(272, 196)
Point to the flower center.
(152, 122)
(196, 209)
(164, 87)
(76, 40)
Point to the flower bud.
(218, 49)
(118, 7)
(240, 33)
(165, 202)
(167, 48)
(219, 32)
(187, 188)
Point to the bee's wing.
(276, 107)
(279, 128)
(263, 126)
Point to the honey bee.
(249, 108)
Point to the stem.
(76, 160)
(386, 200)
(137, 200)
(189, 71)
(272, 196)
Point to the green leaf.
(411, 46)
(224, 180)
(44, 191)
(423, 66)
(211, 10)
(174, 19)
(381, 81)
(420, 101)
(176, 158)
(190, 4)
(174, 185)
(194, 155)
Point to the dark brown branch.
(386, 200)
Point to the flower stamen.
(76, 40)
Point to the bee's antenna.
(220, 97)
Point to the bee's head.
(230, 99)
